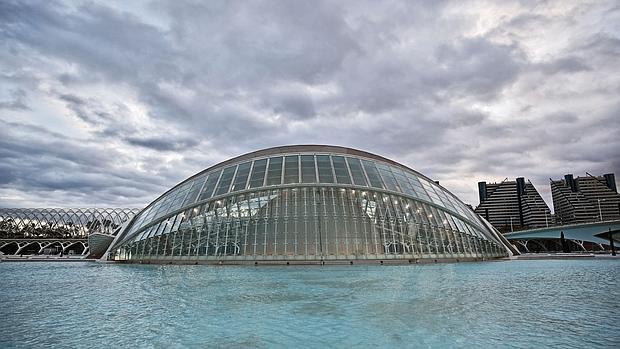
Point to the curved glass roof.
(305, 165)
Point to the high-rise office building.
(513, 205)
(585, 199)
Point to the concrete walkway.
(43, 258)
(565, 256)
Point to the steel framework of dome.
(307, 204)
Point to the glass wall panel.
(308, 171)
(403, 182)
(145, 232)
(325, 169)
(258, 173)
(460, 207)
(296, 217)
(431, 192)
(311, 221)
(162, 207)
(446, 202)
(195, 190)
(341, 170)
(334, 226)
(225, 181)
(356, 172)
(417, 186)
(209, 186)
(373, 174)
(388, 177)
(274, 173)
(291, 169)
(177, 201)
(241, 177)
(273, 241)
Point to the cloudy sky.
(105, 104)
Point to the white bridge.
(581, 237)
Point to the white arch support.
(579, 243)
(69, 244)
(24, 245)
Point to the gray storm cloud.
(107, 105)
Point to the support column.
(611, 243)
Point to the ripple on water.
(518, 304)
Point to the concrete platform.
(564, 256)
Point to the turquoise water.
(510, 304)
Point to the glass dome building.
(307, 204)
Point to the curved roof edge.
(298, 148)
(294, 148)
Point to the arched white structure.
(307, 204)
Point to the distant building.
(513, 205)
(585, 199)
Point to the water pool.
(507, 304)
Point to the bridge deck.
(597, 232)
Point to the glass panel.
(417, 186)
(444, 199)
(144, 233)
(356, 172)
(176, 204)
(403, 182)
(291, 169)
(225, 181)
(167, 226)
(431, 192)
(373, 174)
(258, 173)
(454, 202)
(274, 174)
(207, 192)
(341, 170)
(388, 177)
(178, 220)
(193, 193)
(242, 176)
(450, 219)
(325, 169)
(308, 172)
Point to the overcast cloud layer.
(107, 105)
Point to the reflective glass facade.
(306, 203)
